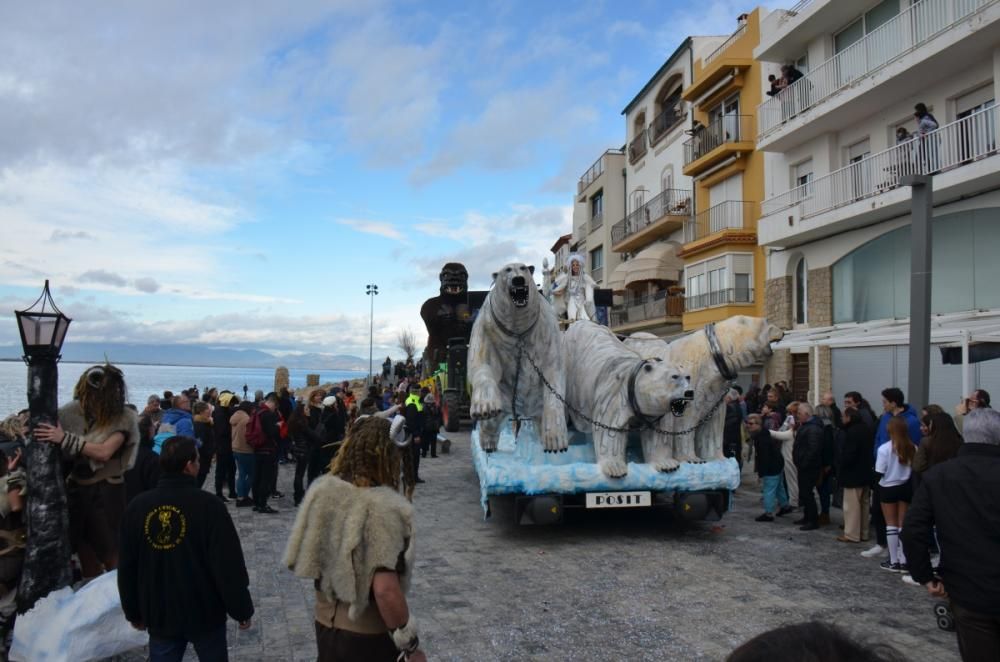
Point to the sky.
(233, 174)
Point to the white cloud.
(379, 228)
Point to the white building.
(600, 196)
(835, 217)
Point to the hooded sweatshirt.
(912, 423)
(182, 421)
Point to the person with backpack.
(263, 436)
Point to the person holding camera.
(978, 399)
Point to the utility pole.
(371, 290)
(921, 214)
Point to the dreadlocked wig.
(369, 457)
(102, 394)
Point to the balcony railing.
(595, 171)
(726, 129)
(951, 146)
(660, 305)
(676, 202)
(728, 215)
(637, 148)
(726, 44)
(908, 30)
(596, 221)
(736, 295)
(665, 122)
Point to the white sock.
(892, 539)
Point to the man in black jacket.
(807, 454)
(732, 431)
(181, 567)
(266, 457)
(961, 497)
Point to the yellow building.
(724, 268)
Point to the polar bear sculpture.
(611, 384)
(515, 324)
(712, 356)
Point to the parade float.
(646, 415)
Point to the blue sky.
(233, 174)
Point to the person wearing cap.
(414, 412)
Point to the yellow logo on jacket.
(165, 527)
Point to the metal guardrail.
(637, 148)
(736, 295)
(726, 129)
(660, 305)
(952, 145)
(666, 121)
(596, 221)
(726, 44)
(908, 30)
(676, 202)
(595, 171)
(728, 215)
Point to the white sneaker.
(875, 551)
(907, 579)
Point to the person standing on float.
(578, 288)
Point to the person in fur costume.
(12, 530)
(353, 536)
(575, 290)
(100, 436)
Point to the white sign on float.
(619, 499)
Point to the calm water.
(144, 380)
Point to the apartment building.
(600, 196)
(648, 232)
(835, 216)
(723, 266)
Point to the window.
(597, 205)
(597, 258)
(861, 175)
(802, 176)
(667, 178)
(717, 282)
(637, 199)
(865, 24)
(801, 292)
(743, 292)
(720, 281)
(802, 63)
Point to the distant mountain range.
(196, 355)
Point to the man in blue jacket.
(178, 417)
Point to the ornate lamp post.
(46, 563)
(372, 291)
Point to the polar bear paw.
(691, 459)
(486, 402)
(488, 442)
(554, 437)
(667, 465)
(613, 467)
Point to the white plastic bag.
(75, 627)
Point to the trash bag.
(74, 627)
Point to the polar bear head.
(514, 287)
(661, 387)
(746, 340)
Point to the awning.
(656, 262)
(616, 281)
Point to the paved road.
(604, 586)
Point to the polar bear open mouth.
(519, 292)
(679, 405)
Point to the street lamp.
(372, 291)
(47, 553)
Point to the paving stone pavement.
(608, 585)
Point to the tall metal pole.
(371, 291)
(921, 213)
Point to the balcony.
(730, 297)
(596, 170)
(659, 217)
(596, 221)
(924, 29)
(714, 55)
(733, 57)
(660, 307)
(665, 122)
(956, 154)
(637, 148)
(728, 215)
(726, 136)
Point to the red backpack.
(256, 437)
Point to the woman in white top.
(893, 462)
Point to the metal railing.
(659, 305)
(728, 215)
(595, 171)
(726, 44)
(676, 202)
(735, 295)
(951, 146)
(664, 122)
(637, 148)
(596, 221)
(725, 129)
(908, 30)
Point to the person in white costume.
(576, 289)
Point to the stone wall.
(820, 298)
(778, 301)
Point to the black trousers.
(225, 471)
(205, 454)
(264, 478)
(430, 440)
(807, 498)
(298, 486)
(336, 645)
(878, 517)
(978, 634)
(415, 453)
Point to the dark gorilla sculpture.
(451, 314)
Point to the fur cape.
(343, 534)
(72, 420)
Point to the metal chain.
(668, 433)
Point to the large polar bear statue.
(712, 356)
(611, 384)
(515, 324)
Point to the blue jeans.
(246, 469)
(210, 647)
(774, 493)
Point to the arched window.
(637, 199)
(801, 292)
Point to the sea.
(145, 380)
